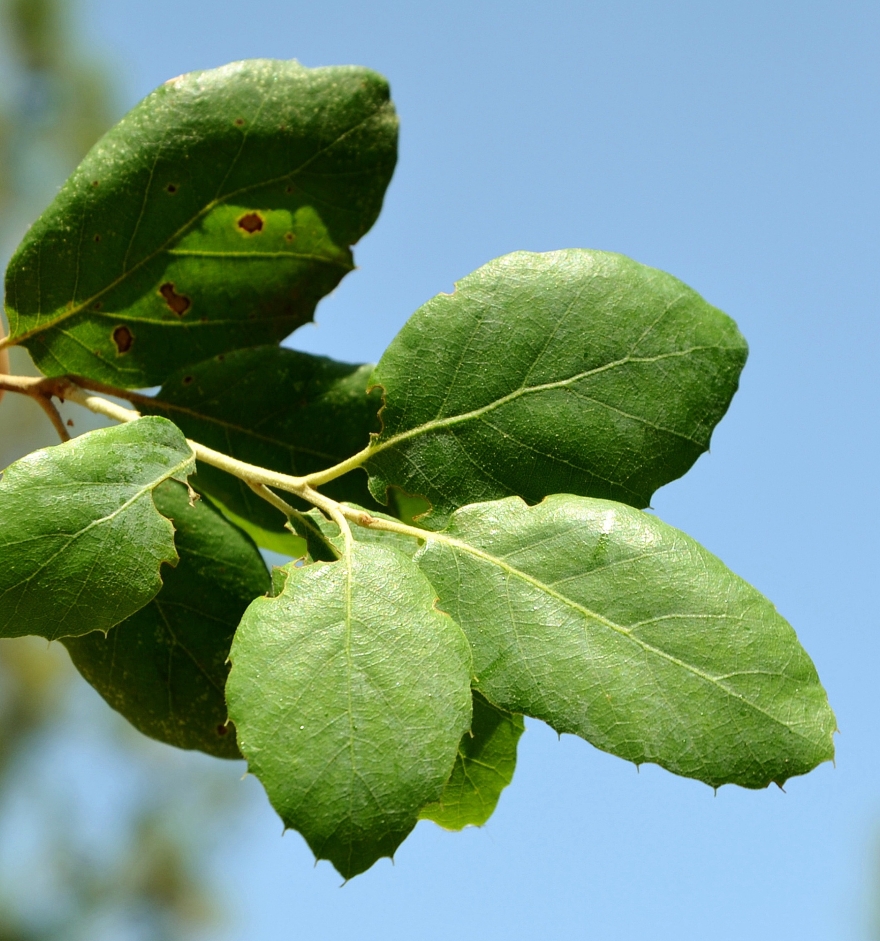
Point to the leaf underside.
(214, 216)
(279, 409)
(165, 667)
(81, 541)
(483, 768)
(568, 372)
(350, 695)
(607, 623)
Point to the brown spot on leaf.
(187, 380)
(239, 122)
(97, 238)
(95, 182)
(220, 357)
(171, 188)
(290, 236)
(289, 189)
(179, 303)
(96, 305)
(123, 339)
(251, 223)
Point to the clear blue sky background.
(736, 146)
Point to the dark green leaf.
(81, 541)
(484, 767)
(350, 694)
(165, 667)
(571, 372)
(607, 623)
(214, 216)
(279, 409)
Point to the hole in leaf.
(251, 223)
(179, 303)
(123, 339)
(171, 188)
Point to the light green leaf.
(570, 372)
(289, 412)
(214, 216)
(350, 694)
(607, 623)
(484, 767)
(165, 667)
(81, 541)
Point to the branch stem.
(41, 391)
(54, 416)
(259, 479)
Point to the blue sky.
(736, 146)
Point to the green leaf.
(276, 408)
(350, 694)
(484, 767)
(81, 541)
(214, 216)
(570, 372)
(607, 623)
(165, 667)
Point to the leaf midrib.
(440, 423)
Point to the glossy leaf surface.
(350, 694)
(569, 372)
(484, 767)
(214, 216)
(165, 667)
(81, 540)
(276, 408)
(607, 623)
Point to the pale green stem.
(331, 473)
(365, 520)
(247, 472)
(258, 478)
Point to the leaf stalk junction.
(259, 479)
